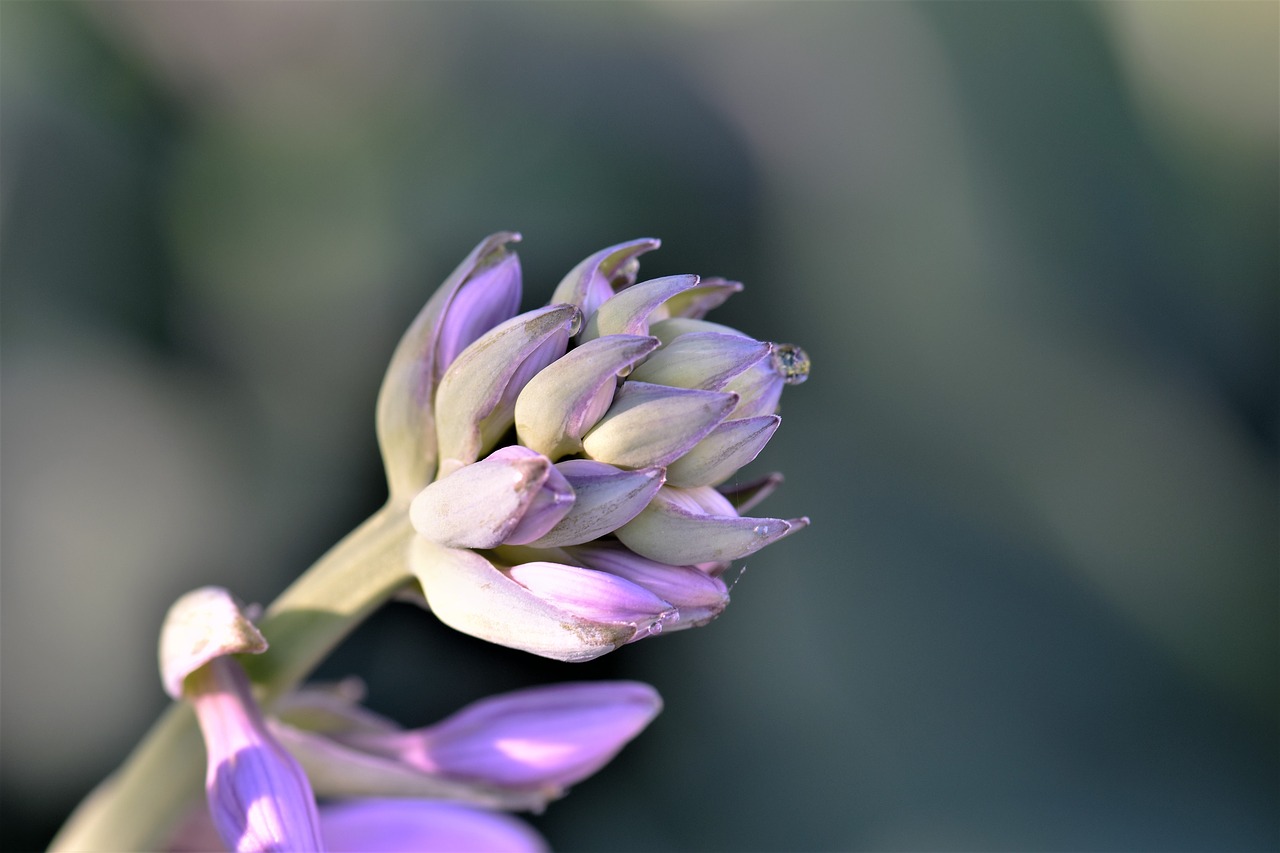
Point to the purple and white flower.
(437, 788)
(607, 422)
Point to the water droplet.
(575, 323)
(655, 629)
(791, 362)
(761, 530)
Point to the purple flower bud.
(483, 291)
(698, 597)
(490, 297)
(560, 615)
(513, 495)
(475, 402)
(259, 798)
(423, 826)
(542, 738)
(591, 595)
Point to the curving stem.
(138, 806)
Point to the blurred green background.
(1031, 248)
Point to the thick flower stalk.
(567, 463)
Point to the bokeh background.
(1031, 248)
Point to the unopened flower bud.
(471, 595)
(605, 498)
(597, 596)
(590, 283)
(706, 360)
(646, 393)
(259, 798)
(637, 431)
(483, 291)
(542, 738)
(513, 495)
(516, 750)
(684, 526)
(475, 402)
(728, 447)
(697, 596)
(628, 312)
(558, 405)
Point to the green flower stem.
(355, 578)
(136, 807)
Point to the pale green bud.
(653, 425)
(558, 405)
(686, 526)
(605, 498)
(475, 402)
(628, 312)
(706, 360)
(726, 448)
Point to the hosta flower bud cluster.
(561, 466)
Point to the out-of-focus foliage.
(1031, 248)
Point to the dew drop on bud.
(575, 323)
(791, 362)
(760, 530)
